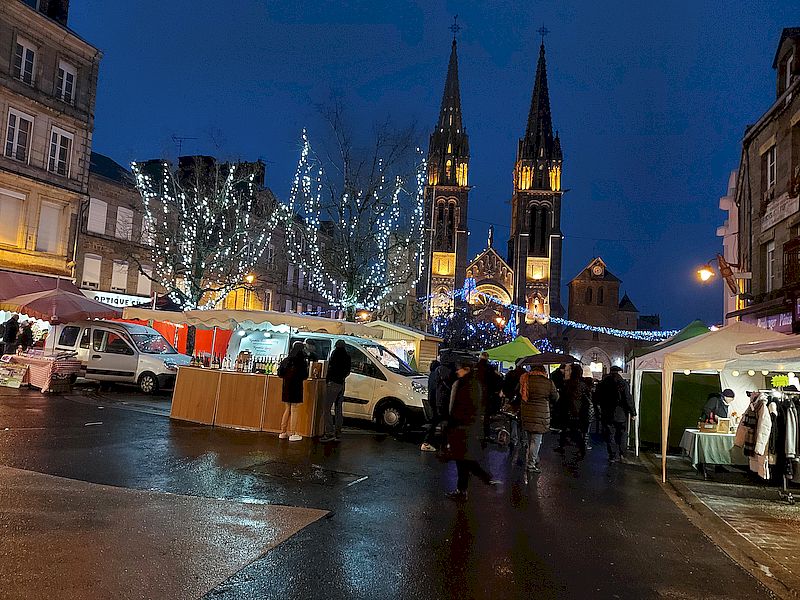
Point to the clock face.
(597, 270)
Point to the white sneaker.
(295, 438)
(426, 447)
(283, 436)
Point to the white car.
(122, 352)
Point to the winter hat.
(728, 393)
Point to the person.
(294, 371)
(494, 384)
(465, 426)
(557, 377)
(443, 382)
(311, 351)
(539, 392)
(510, 390)
(25, 337)
(431, 409)
(338, 369)
(717, 405)
(575, 411)
(10, 332)
(616, 406)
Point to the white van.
(122, 352)
(381, 387)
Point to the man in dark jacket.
(431, 409)
(465, 428)
(616, 406)
(717, 405)
(574, 407)
(537, 393)
(441, 382)
(10, 331)
(338, 369)
(25, 337)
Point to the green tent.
(520, 347)
(693, 329)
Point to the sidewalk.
(748, 520)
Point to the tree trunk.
(190, 339)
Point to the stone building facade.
(530, 274)
(48, 81)
(594, 299)
(768, 200)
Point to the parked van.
(122, 352)
(381, 387)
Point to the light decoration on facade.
(382, 262)
(203, 230)
(644, 335)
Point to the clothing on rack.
(753, 434)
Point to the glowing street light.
(706, 273)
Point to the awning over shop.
(693, 329)
(520, 347)
(14, 283)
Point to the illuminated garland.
(391, 268)
(645, 335)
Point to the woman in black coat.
(575, 402)
(294, 371)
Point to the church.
(529, 274)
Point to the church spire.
(448, 152)
(539, 132)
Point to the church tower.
(446, 198)
(534, 249)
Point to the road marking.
(95, 423)
(359, 480)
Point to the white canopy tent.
(715, 352)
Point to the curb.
(775, 577)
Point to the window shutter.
(144, 284)
(48, 233)
(124, 227)
(96, 222)
(91, 271)
(10, 214)
(119, 276)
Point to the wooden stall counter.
(244, 401)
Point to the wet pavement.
(578, 530)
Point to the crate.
(721, 426)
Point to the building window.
(18, 135)
(65, 82)
(24, 61)
(267, 299)
(288, 305)
(788, 72)
(148, 230)
(124, 227)
(770, 267)
(588, 295)
(600, 295)
(91, 271)
(96, 222)
(290, 275)
(300, 279)
(119, 276)
(10, 214)
(60, 152)
(271, 255)
(144, 285)
(299, 308)
(48, 235)
(771, 172)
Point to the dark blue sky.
(651, 100)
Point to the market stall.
(415, 347)
(519, 347)
(705, 448)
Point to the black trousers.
(616, 434)
(464, 468)
(438, 418)
(576, 430)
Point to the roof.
(486, 252)
(110, 169)
(587, 271)
(407, 331)
(788, 32)
(627, 305)
(693, 329)
(13, 284)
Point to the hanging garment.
(791, 430)
(752, 435)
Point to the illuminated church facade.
(530, 273)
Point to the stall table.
(711, 449)
(243, 401)
(47, 373)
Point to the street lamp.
(250, 278)
(706, 272)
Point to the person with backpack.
(294, 371)
(616, 406)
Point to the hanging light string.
(469, 292)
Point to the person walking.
(575, 409)
(294, 371)
(431, 410)
(443, 378)
(488, 374)
(616, 407)
(25, 337)
(539, 393)
(338, 369)
(10, 332)
(466, 427)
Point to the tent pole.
(214, 341)
(635, 421)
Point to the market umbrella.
(549, 358)
(59, 306)
(520, 347)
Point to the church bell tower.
(446, 199)
(534, 249)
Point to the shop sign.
(778, 210)
(114, 299)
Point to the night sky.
(651, 100)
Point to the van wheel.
(148, 383)
(391, 416)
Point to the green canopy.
(693, 329)
(510, 352)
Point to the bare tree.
(361, 211)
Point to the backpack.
(284, 366)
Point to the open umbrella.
(59, 306)
(549, 358)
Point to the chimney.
(55, 9)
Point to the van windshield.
(391, 361)
(152, 343)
